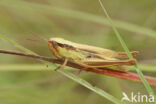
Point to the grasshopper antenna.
(39, 38)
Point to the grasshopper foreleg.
(62, 66)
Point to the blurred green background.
(79, 21)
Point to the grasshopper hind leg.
(62, 66)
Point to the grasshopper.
(90, 56)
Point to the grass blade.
(147, 86)
(40, 67)
(89, 86)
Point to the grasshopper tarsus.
(47, 65)
(57, 68)
(79, 72)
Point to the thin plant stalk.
(147, 86)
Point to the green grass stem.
(147, 86)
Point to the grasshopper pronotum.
(90, 56)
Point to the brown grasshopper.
(90, 56)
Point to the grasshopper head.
(55, 44)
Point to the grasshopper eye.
(90, 56)
(54, 43)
